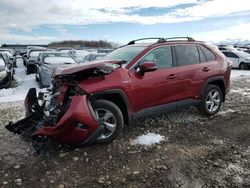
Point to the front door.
(158, 87)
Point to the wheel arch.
(219, 81)
(118, 97)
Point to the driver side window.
(161, 56)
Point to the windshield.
(59, 60)
(35, 53)
(81, 53)
(66, 51)
(243, 54)
(127, 53)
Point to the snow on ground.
(242, 91)
(147, 139)
(225, 112)
(239, 73)
(24, 83)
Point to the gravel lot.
(196, 152)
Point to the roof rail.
(160, 39)
(173, 38)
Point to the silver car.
(47, 62)
(240, 59)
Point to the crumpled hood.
(112, 64)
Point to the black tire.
(242, 66)
(202, 107)
(115, 110)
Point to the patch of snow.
(225, 112)
(147, 139)
(239, 73)
(25, 82)
(242, 91)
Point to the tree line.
(83, 43)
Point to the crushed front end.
(62, 113)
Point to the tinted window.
(222, 48)
(187, 55)
(230, 55)
(161, 56)
(208, 54)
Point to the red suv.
(91, 102)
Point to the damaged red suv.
(93, 101)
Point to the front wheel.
(211, 100)
(111, 118)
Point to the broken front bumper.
(76, 125)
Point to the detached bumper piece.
(71, 122)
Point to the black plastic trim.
(92, 138)
(164, 108)
(112, 91)
(209, 80)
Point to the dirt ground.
(197, 152)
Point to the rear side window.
(230, 54)
(208, 54)
(187, 55)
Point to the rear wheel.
(111, 118)
(243, 66)
(211, 100)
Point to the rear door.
(194, 69)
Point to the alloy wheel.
(108, 121)
(213, 101)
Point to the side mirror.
(146, 67)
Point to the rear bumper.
(77, 126)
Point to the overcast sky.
(43, 21)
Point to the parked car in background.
(93, 101)
(27, 52)
(66, 50)
(6, 72)
(241, 60)
(9, 60)
(47, 62)
(93, 56)
(79, 55)
(32, 60)
(10, 53)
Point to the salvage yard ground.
(177, 149)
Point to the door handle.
(205, 69)
(171, 76)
